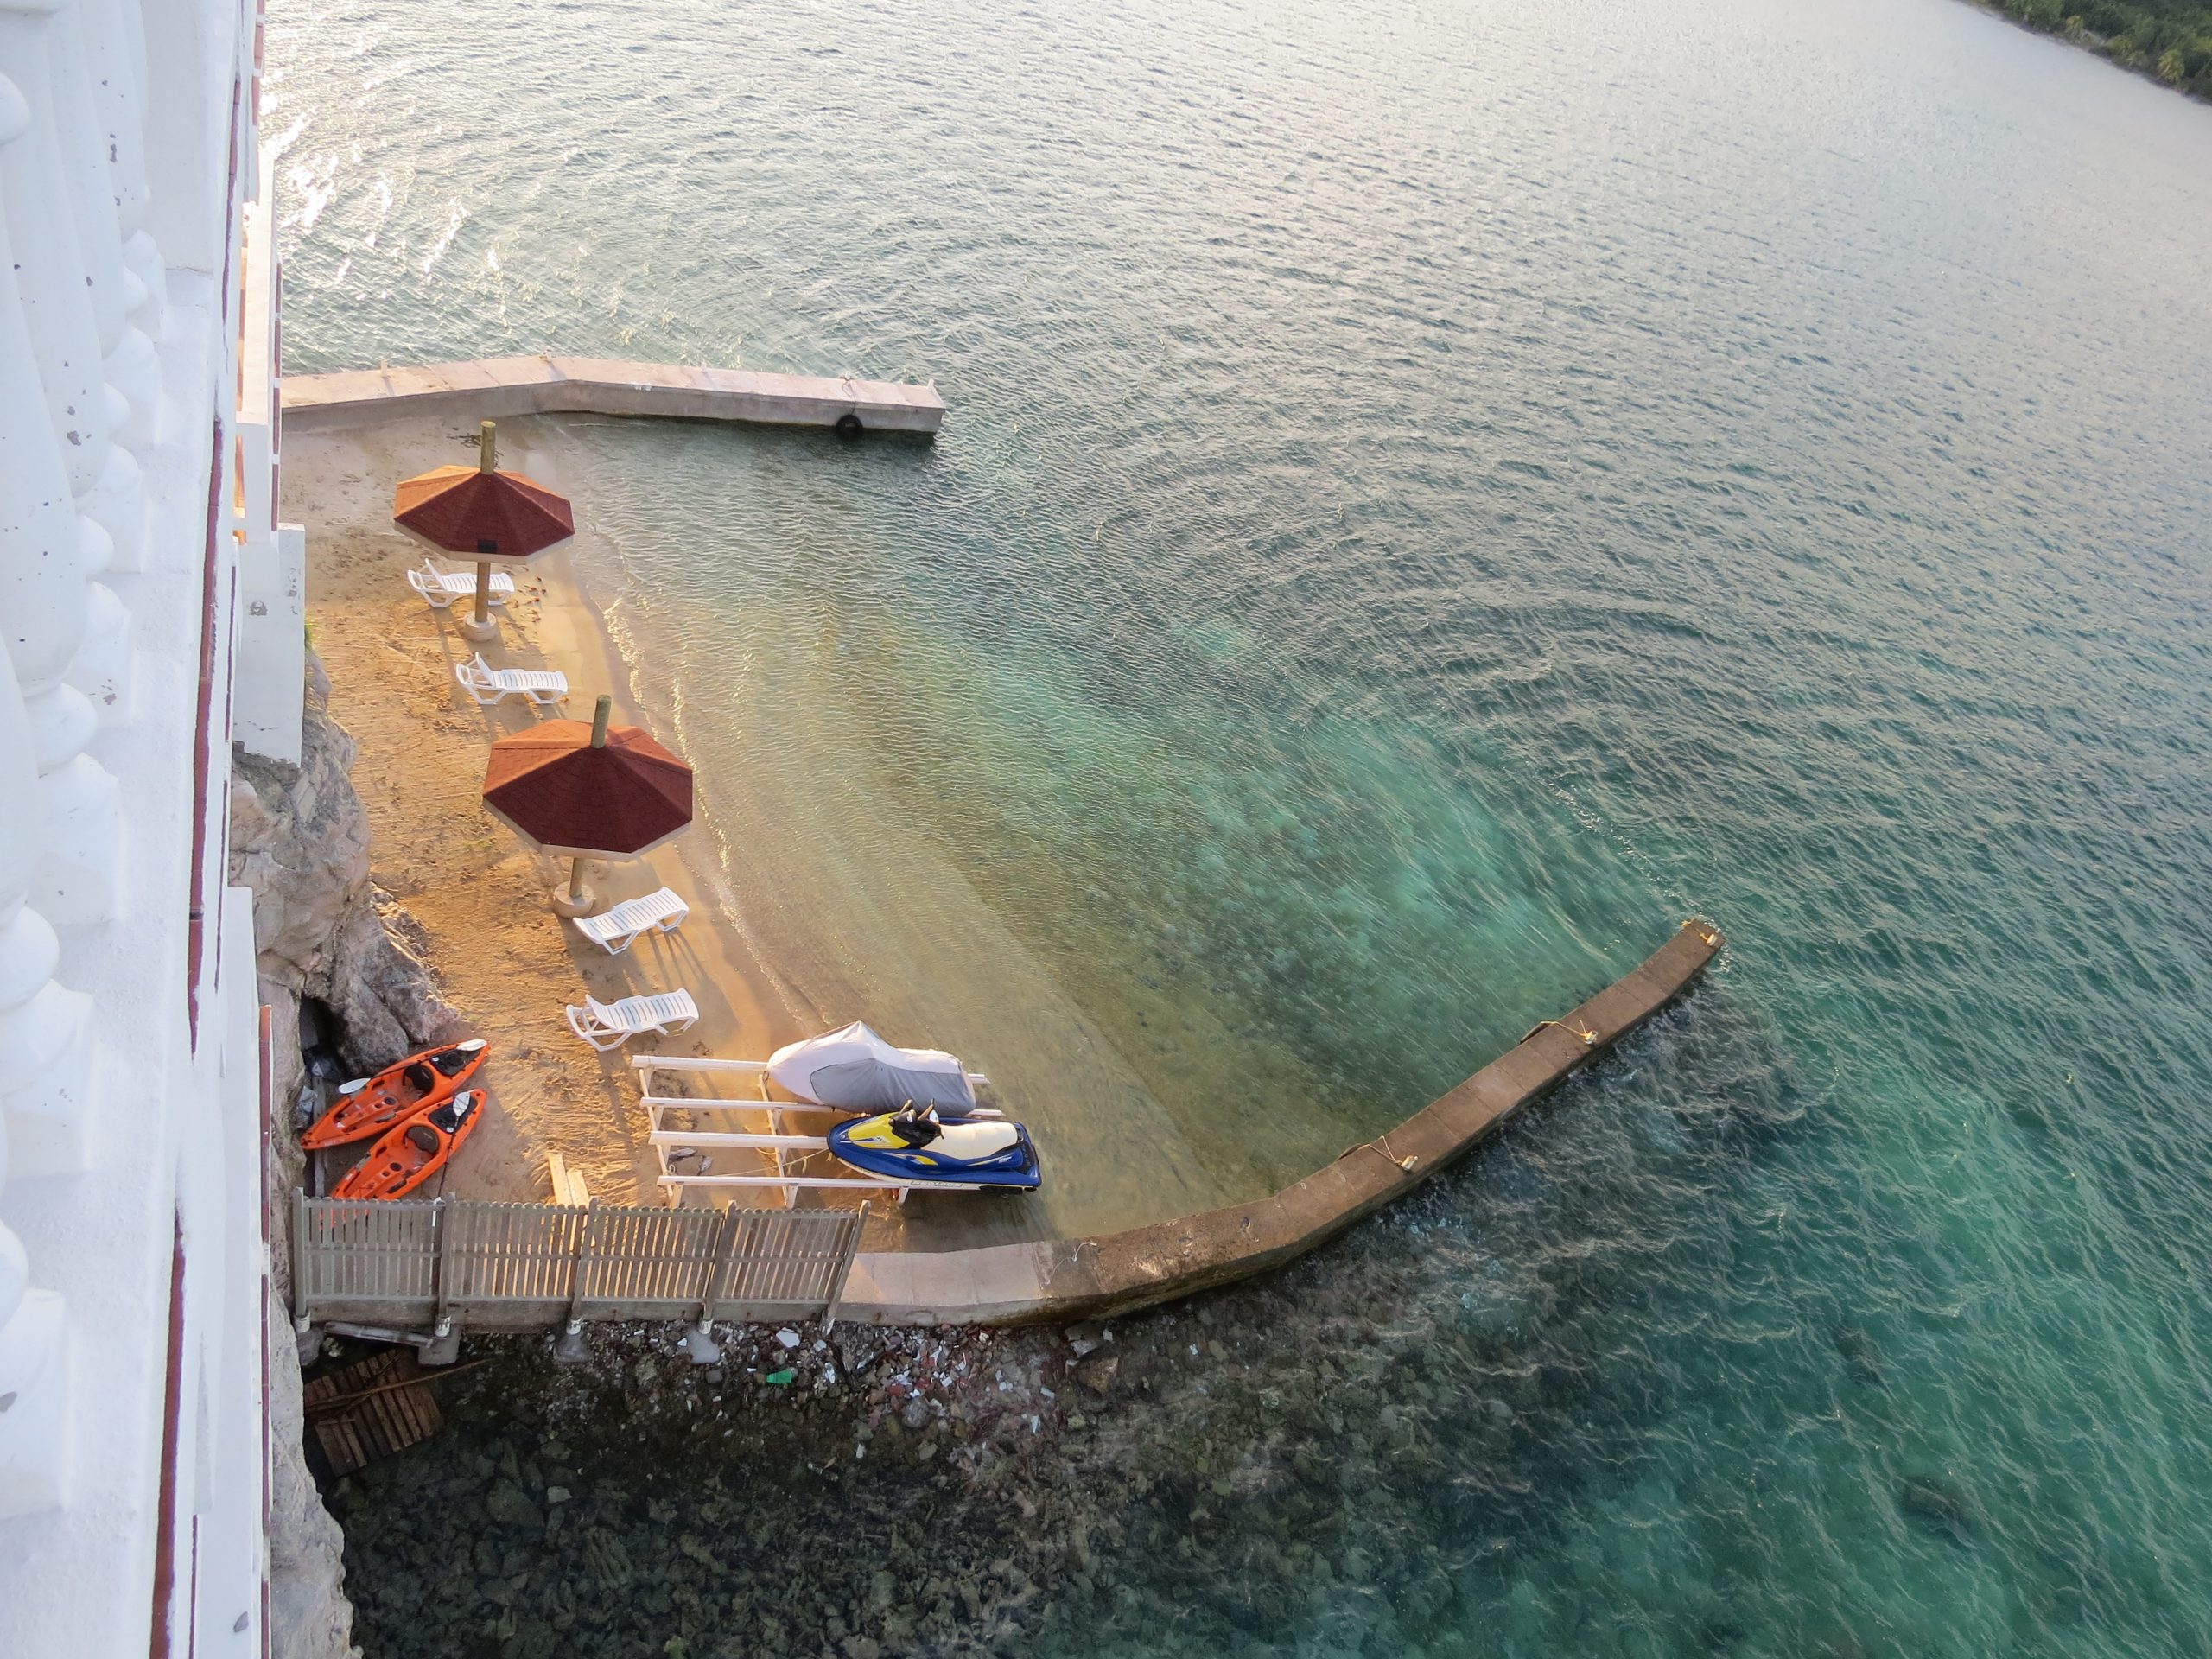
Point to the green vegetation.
(2168, 39)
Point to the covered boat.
(370, 1106)
(411, 1153)
(923, 1146)
(855, 1069)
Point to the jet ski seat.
(966, 1141)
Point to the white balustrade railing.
(43, 548)
(130, 1104)
(63, 242)
(129, 365)
(45, 723)
(56, 302)
(76, 374)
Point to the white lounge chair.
(544, 687)
(441, 588)
(610, 1024)
(618, 927)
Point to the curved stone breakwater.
(1100, 1278)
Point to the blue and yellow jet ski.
(922, 1147)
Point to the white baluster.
(103, 661)
(102, 667)
(50, 281)
(129, 364)
(57, 308)
(115, 54)
(45, 601)
(140, 252)
(59, 301)
(45, 1073)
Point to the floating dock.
(496, 387)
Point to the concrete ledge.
(1098, 1278)
(498, 387)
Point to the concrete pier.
(1097, 1278)
(492, 388)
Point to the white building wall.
(272, 557)
(136, 484)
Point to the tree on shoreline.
(2170, 40)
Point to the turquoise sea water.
(1435, 494)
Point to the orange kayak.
(410, 1155)
(369, 1106)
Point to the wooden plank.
(382, 1404)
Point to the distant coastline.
(2167, 40)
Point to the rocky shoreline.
(1348, 1456)
(874, 1492)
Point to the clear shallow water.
(1432, 496)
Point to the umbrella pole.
(579, 899)
(487, 461)
(576, 898)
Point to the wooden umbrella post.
(579, 899)
(487, 461)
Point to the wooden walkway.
(497, 387)
(455, 1263)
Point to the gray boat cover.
(857, 1069)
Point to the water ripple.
(1432, 496)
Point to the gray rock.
(508, 1504)
(308, 1615)
(1938, 1503)
(300, 839)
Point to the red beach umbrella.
(576, 791)
(482, 514)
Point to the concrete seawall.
(1095, 1278)
(498, 387)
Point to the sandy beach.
(506, 961)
